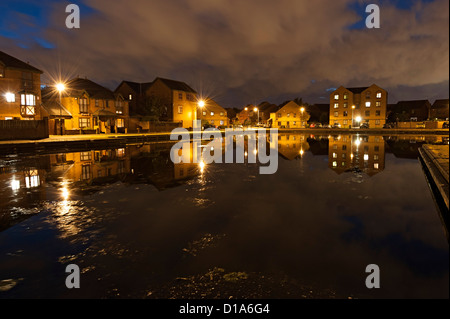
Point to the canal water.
(139, 226)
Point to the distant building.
(135, 94)
(85, 107)
(350, 107)
(265, 108)
(290, 115)
(213, 113)
(440, 110)
(416, 110)
(20, 87)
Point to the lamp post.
(302, 109)
(353, 107)
(201, 105)
(60, 87)
(256, 110)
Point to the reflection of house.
(292, 146)
(93, 108)
(20, 89)
(349, 152)
(213, 113)
(291, 115)
(369, 103)
(440, 110)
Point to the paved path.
(436, 160)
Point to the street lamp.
(302, 109)
(60, 87)
(256, 110)
(353, 107)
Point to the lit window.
(336, 114)
(345, 105)
(334, 164)
(288, 115)
(366, 157)
(28, 104)
(221, 113)
(10, 97)
(130, 97)
(345, 96)
(120, 123)
(336, 105)
(83, 102)
(375, 166)
(180, 109)
(378, 95)
(83, 122)
(367, 104)
(212, 113)
(334, 155)
(345, 121)
(377, 122)
(336, 96)
(204, 113)
(221, 122)
(85, 156)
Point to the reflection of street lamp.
(60, 87)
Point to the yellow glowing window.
(336, 96)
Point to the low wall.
(23, 130)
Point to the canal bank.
(95, 141)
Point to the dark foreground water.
(139, 226)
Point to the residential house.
(212, 113)
(415, 110)
(85, 107)
(350, 107)
(20, 89)
(135, 94)
(439, 110)
(265, 108)
(248, 115)
(290, 115)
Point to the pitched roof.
(412, 104)
(54, 108)
(176, 85)
(357, 90)
(137, 87)
(11, 62)
(440, 104)
(75, 86)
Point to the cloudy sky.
(237, 51)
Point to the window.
(204, 113)
(368, 95)
(96, 103)
(279, 114)
(180, 96)
(367, 113)
(27, 80)
(334, 164)
(221, 113)
(377, 103)
(377, 122)
(294, 123)
(344, 147)
(335, 147)
(336, 96)
(279, 124)
(334, 155)
(295, 114)
(336, 114)
(375, 165)
(367, 104)
(345, 122)
(180, 109)
(377, 113)
(345, 96)
(376, 148)
(83, 102)
(376, 157)
(366, 148)
(378, 95)
(345, 105)
(344, 155)
(288, 115)
(336, 105)
(189, 97)
(120, 123)
(212, 113)
(10, 97)
(28, 104)
(119, 107)
(85, 156)
(86, 172)
(345, 114)
(221, 122)
(130, 97)
(366, 157)
(84, 122)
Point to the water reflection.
(121, 213)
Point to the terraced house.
(351, 107)
(85, 107)
(20, 89)
(290, 115)
(213, 114)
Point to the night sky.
(239, 52)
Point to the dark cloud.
(250, 51)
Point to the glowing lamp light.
(358, 119)
(60, 87)
(255, 109)
(201, 103)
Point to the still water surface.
(139, 226)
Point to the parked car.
(336, 125)
(326, 126)
(364, 125)
(445, 125)
(315, 125)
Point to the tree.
(155, 109)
